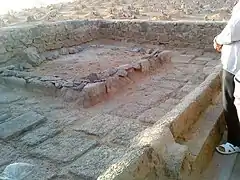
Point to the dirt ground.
(96, 57)
(20, 13)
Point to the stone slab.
(125, 132)
(182, 58)
(39, 135)
(149, 97)
(20, 124)
(4, 117)
(7, 98)
(99, 125)
(64, 147)
(129, 110)
(7, 154)
(95, 162)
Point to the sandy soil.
(53, 10)
(96, 57)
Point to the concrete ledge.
(162, 137)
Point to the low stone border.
(155, 152)
(88, 90)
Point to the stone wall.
(44, 37)
(50, 36)
(181, 34)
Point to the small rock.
(149, 51)
(136, 66)
(145, 65)
(11, 67)
(72, 50)
(58, 85)
(51, 55)
(63, 51)
(32, 56)
(80, 87)
(50, 78)
(92, 77)
(68, 84)
(122, 72)
(137, 49)
(79, 48)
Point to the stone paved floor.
(67, 142)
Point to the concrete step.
(204, 136)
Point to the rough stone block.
(14, 81)
(20, 124)
(7, 154)
(152, 115)
(32, 56)
(64, 147)
(95, 162)
(38, 136)
(94, 93)
(99, 125)
(7, 98)
(125, 132)
(145, 65)
(130, 110)
(113, 84)
(182, 58)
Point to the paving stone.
(182, 58)
(39, 135)
(7, 98)
(14, 81)
(154, 114)
(213, 63)
(130, 110)
(41, 170)
(64, 147)
(4, 117)
(151, 97)
(167, 84)
(125, 132)
(20, 124)
(95, 162)
(7, 154)
(99, 125)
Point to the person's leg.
(230, 111)
(231, 117)
(237, 96)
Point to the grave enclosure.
(89, 63)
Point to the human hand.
(217, 46)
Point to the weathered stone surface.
(95, 162)
(145, 65)
(14, 81)
(32, 56)
(63, 51)
(72, 50)
(65, 147)
(182, 58)
(7, 98)
(113, 84)
(4, 116)
(154, 114)
(39, 135)
(122, 72)
(150, 96)
(125, 132)
(94, 89)
(7, 154)
(165, 56)
(20, 124)
(99, 125)
(130, 110)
